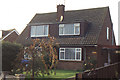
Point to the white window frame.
(61, 51)
(75, 25)
(108, 34)
(43, 30)
(75, 54)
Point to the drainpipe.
(109, 57)
(112, 36)
(84, 54)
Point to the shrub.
(90, 63)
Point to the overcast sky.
(18, 13)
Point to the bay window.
(39, 31)
(70, 54)
(69, 29)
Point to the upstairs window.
(69, 29)
(39, 31)
(107, 33)
(70, 54)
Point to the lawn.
(59, 74)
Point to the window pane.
(60, 30)
(46, 30)
(33, 28)
(78, 49)
(61, 55)
(62, 49)
(77, 55)
(107, 33)
(77, 24)
(61, 27)
(70, 53)
(40, 30)
(77, 30)
(69, 29)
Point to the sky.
(18, 13)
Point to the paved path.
(8, 77)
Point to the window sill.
(40, 36)
(69, 34)
(70, 60)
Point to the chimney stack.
(60, 12)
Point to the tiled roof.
(95, 16)
(6, 33)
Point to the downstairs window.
(70, 54)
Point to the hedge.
(9, 52)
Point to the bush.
(90, 63)
(9, 52)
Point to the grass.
(59, 74)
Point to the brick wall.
(69, 65)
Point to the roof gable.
(9, 32)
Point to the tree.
(42, 56)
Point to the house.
(80, 34)
(114, 53)
(9, 35)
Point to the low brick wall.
(69, 65)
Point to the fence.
(111, 71)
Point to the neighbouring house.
(9, 35)
(80, 34)
(114, 52)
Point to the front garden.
(59, 74)
(39, 60)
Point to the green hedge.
(9, 52)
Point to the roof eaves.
(39, 23)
